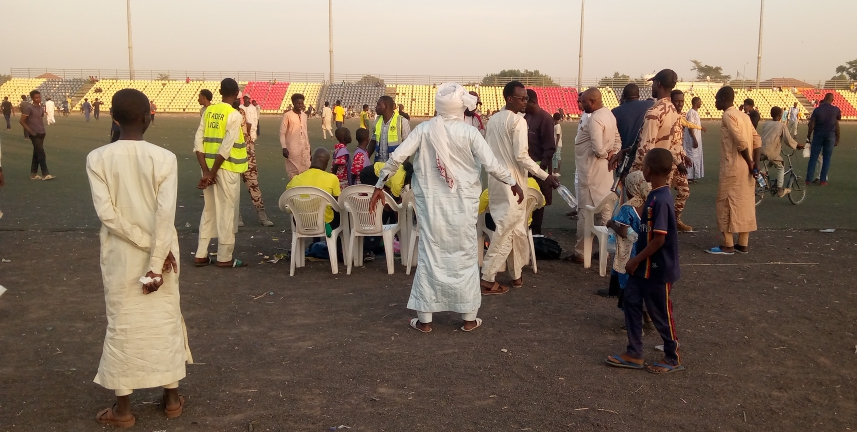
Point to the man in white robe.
(447, 154)
(692, 141)
(597, 141)
(507, 137)
(134, 187)
(50, 111)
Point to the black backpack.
(547, 248)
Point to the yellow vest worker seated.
(396, 182)
(483, 204)
(317, 176)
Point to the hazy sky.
(802, 39)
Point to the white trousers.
(426, 317)
(126, 392)
(220, 215)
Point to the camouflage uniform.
(251, 176)
(662, 129)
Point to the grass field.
(65, 203)
(768, 338)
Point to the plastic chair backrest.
(534, 200)
(355, 200)
(307, 206)
(608, 201)
(409, 206)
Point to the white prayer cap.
(452, 99)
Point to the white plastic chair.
(482, 231)
(405, 228)
(534, 201)
(410, 230)
(601, 232)
(307, 206)
(355, 201)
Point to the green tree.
(849, 69)
(705, 72)
(839, 82)
(4, 78)
(617, 80)
(370, 80)
(527, 77)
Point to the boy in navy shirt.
(653, 271)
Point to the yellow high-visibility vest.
(392, 130)
(215, 130)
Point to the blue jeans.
(822, 144)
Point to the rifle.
(625, 166)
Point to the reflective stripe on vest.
(215, 117)
(392, 130)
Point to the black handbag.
(547, 248)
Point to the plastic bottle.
(760, 178)
(567, 196)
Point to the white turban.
(452, 99)
(450, 102)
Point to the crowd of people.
(637, 154)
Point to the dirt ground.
(768, 347)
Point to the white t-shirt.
(793, 114)
(557, 131)
(251, 113)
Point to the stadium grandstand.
(353, 95)
(180, 96)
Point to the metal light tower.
(330, 35)
(580, 50)
(759, 59)
(130, 44)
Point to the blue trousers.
(660, 308)
(822, 144)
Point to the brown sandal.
(174, 412)
(106, 417)
(497, 289)
(208, 261)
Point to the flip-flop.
(413, 325)
(622, 363)
(105, 417)
(497, 289)
(717, 250)
(174, 412)
(478, 324)
(203, 263)
(235, 263)
(514, 285)
(669, 368)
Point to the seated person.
(483, 205)
(317, 176)
(774, 134)
(396, 182)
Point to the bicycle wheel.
(760, 193)
(798, 189)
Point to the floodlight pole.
(759, 59)
(330, 35)
(580, 50)
(130, 44)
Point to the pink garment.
(293, 136)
